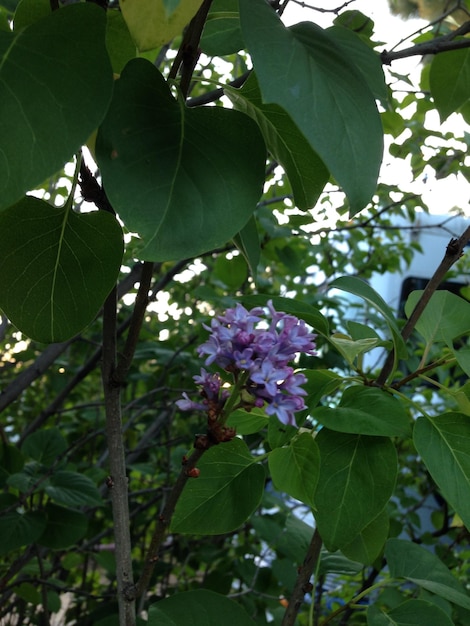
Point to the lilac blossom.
(259, 356)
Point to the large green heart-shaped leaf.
(305, 71)
(55, 86)
(227, 491)
(442, 442)
(186, 180)
(357, 478)
(56, 267)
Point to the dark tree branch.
(453, 253)
(140, 306)
(164, 519)
(445, 43)
(189, 51)
(302, 584)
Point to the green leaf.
(366, 60)
(186, 180)
(222, 33)
(119, 43)
(337, 563)
(227, 491)
(56, 267)
(305, 170)
(232, 272)
(442, 442)
(416, 564)
(198, 608)
(44, 446)
(295, 468)
(463, 359)
(305, 71)
(65, 527)
(248, 422)
(289, 536)
(410, 613)
(153, 23)
(20, 529)
(30, 11)
(320, 383)
(449, 80)
(11, 461)
(170, 6)
(306, 312)
(44, 69)
(357, 478)
(366, 411)
(360, 288)
(367, 546)
(73, 489)
(445, 317)
(351, 348)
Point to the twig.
(445, 43)
(164, 519)
(453, 253)
(302, 584)
(189, 51)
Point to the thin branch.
(302, 584)
(445, 43)
(453, 253)
(140, 306)
(189, 51)
(164, 519)
(117, 464)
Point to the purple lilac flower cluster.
(258, 356)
